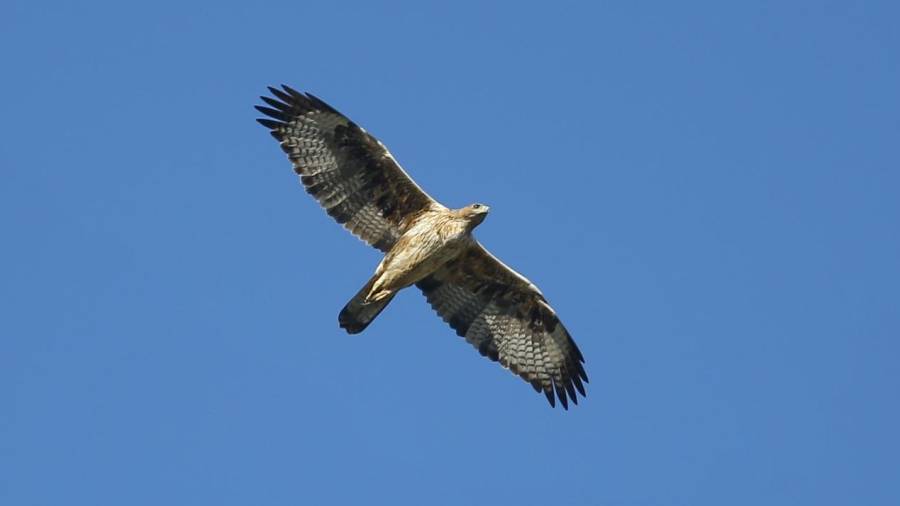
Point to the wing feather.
(349, 172)
(507, 319)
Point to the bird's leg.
(378, 291)
(379, 295)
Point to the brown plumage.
(359, 183)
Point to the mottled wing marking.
(350, 173)
(507, 319)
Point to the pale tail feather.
(358, 314)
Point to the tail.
(358, 314)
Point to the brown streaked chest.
(427, 245)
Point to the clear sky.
(707, 192)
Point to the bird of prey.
(360, 184)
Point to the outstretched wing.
(350, 173)
(508, 320)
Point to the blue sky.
(707, 193)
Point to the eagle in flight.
(360, 184)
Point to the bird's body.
(433, 239)
(362, 186)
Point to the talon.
(381, 294)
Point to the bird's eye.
(476, 206)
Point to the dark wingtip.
(321, 103)
(561, 393)
(548, 392)
(284, 97)
(570, 389)
(292, 91)
(268, 123)
(272, 113)
(579, 386)
(281, 106)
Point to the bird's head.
(474, 214)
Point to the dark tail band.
(358, 314)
